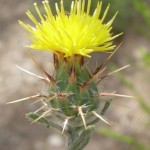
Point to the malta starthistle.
(73, 103)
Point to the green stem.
(79, 138)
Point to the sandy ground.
(16, 133)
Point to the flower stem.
(79, 138)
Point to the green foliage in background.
(143, 10)
(132, 143)
(146, 57)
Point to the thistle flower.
(73, 101)
(71, 33)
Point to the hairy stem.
(79, 138)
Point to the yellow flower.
(71, 33)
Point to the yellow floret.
(73, 33)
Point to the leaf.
(34, 116)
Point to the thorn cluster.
(68, 95)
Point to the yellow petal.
(73, 33)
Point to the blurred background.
(130, 117)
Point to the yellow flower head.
(71, 33)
